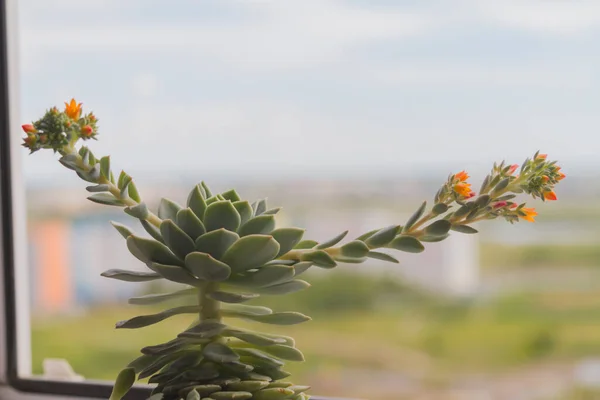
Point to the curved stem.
(209, 308)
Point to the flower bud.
(29, 128)
(500, 204)
(87, 131)
(512, 169)
(550, 195)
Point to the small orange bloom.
(512, 169)
(550, 196)
(87, 130)
(530, 213)
(28, 128)
(541, 156)
(545, 179)
(463, 189)
(73, 109)
(462, 176)
(561, 176)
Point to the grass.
(348, 351)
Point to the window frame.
(15, 354)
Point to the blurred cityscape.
(510, 313)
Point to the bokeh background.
(348, 114)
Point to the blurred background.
(348, 114)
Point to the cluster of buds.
(536, 177)
(59, 130)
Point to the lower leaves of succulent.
(226, 251)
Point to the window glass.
(348, 114)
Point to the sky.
(313, 87)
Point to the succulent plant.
(227, 251)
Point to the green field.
(356, 349)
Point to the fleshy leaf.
(123, 383)
(355, 249)
(216, 242)
(204, 266)
(265, 276)
(251, 251)
(106, 199)
(174, 273)
(415, 217)
(219, 353)
(464, 229)
(196, 201)
(125, 231)
(382, 237)
(221, 214)
(145, 320)
(302, 267)
(231, 195)
(261, 207)
(263, 224)
(438, 228)
(284, 288)
(190, 223)
(139, 211)
(148, 250)
(152, 230)
(319, 258)
(382, 256)
(332, 242)
(244, 209)
(281, 318)
(168, 209)
(130, 276)
(306, 244)
(408, 244)
(177, 240)
(232, 298)
(287, 238)
(98, 188)
(251, 337)
(159, 298)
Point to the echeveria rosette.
(226, 251)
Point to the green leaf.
(142, 362)
(151, 299)
(306, 244)
(174, 273)
(231, 396)
(287, 238)
(501, 185)
(263, 224)
(133, 192)
(206, 189)
(254, 310)
(148, 250)
(251, 251)
(302, 267)
(367, 235)
(415, 217)
(248, 351)
(438, 228)
(231, 195)
(177, 240)
(152, 230)
(433, 238)
(261, 207)
(355, 249)
(190, 223)
(332, 242)
(251, 337)
(408, 244)
(130, 276)
(382, 237)
(244, 209)
(284, 288)
(464, 229)
(219, 353)
(106, 199)
(382, 256)
(145, 320)
(196, 201)
(123, 383)
(204, 266)
(483, 200)
(69, 161)
(139, 211)
(232, 298)
(282, 318)
(247, 386)
(273, 394)
(265, 276)
(98, 188)
(221, 214)
(216, 242)
(193, 395)
(122, 176)
(439, 208)
(319, 258)
(168, 209)
(272, 211)
(125, 231)
(124, 188)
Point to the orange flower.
(462, 176)
(87, 130)
(463, 189)
(561, 176)
(541, 156)
(550, 195)
(73, 110)
(529, 214)
(29, 128)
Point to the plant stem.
(209, 308)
